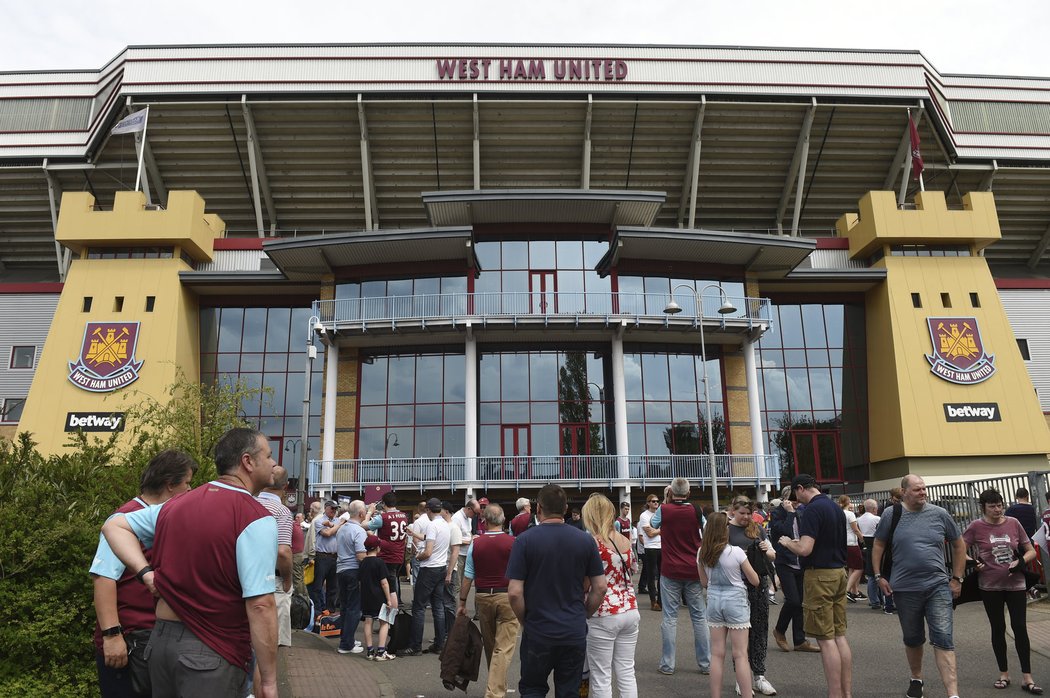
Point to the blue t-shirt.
(350, 540)
(919, 561)
(553, 559)
(825, 522)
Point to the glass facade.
(813, 376)
(266, 349)
(542, 276)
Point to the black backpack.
(887, 554)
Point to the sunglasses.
(652, 501)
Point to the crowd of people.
(193, 588)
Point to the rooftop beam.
(989, 179)
(1040, 248)
(585, 178)
(368, 192)
(52, 187)
(154, 174)
(477, 146)
(260, 183)
(902, 154)
(691, 181)
(796, 172)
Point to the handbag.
(308, 573)
(138, 661)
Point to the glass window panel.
(544, 412)
(543, 376)
(228, 363)
(273, 403)
(636, 438)
(402, 379)
(791, 326)
(817, 357)
(714, 378)
(514, 372)
(278, 323)
(545, 440)
(488, 255)
(515, 254)
(541, 254)
(373, 381)
(454, 440)
(570, 254)
(771, 339)
(293, 395)
(372, 416)
(271, 425)
(453, 284)
(293, 427)
(632, 373)
(490, 443)
(251, 362)
(834, 318)
(593, 253)
(570, 292)
(656, 438)
(772, 358)
(515, 413)
(428, 414)
(488, 282)
(795, 357)
(428, 378)
(254, 329)
(400, 444)
(835, 357)
(684, 412)
(489, 413)
(798, 388)
(654, 372)
(454, 413)
(821, 388)
(316, 382)
(209, 329)
(813, 323)
(427, 286)
(279, 362)
(428, 442)
(774, 383)
(598, 293)
(373, 289)
(347, 290)
(230, 322)
(399, 415)
(658, 412)
(399, 287)
(683, 376)
(455, 375)
(515, 281)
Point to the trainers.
(761, 685)
(665, 670)
(343, 650)
(889, 611)
(738, 688)
(383, 656)
(411, 652)
(914, 689)
(851, 597)
(433, 649)
(773, 601)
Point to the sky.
(962, 36)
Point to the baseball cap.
(371, 542)
(434, 504)
(804, 481)
(484, 501)
(331, 503)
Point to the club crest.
(958, 352)
(107, 357)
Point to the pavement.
(312, 668)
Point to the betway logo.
(973, 412)
(95, 421)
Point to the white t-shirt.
(438, 532)
(460, 520)
(730, 561)
(868, 522)
(420, 527)
(647, 542)
(851, 537)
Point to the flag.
(916, 156)
(132, 123)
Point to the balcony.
(524, 310)
(514, 472)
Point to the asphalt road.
(879, 667)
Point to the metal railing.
(732, 470)
(457, 306)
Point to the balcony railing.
(453, 307)
(744, 470)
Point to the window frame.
(32, 360)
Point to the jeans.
(791, 611)
(672, 592)
(350, 593)
(611, 641)
(652, 573)
(875, 595)
(430, 588)
(323, 590)
(932, 605)
(540, 658)
(451, 591)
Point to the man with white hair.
(868, 522)
(350, 542)
(521, 522)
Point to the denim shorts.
(932, 605)
(727, 607)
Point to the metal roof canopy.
(268, 284)
(604, 206)
(768, 256)
(311, 257)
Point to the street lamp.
(673, 308)
(387, 444)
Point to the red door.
(817, 453)
(543, 298)
(575, 441)
(516, 442)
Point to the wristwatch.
(877, 576)
(112, 632)
(142, 573)
(957, 579)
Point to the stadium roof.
(284, 139)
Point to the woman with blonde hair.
(722, 569)
(612, 633)
(854, 555)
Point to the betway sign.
(94, 421)
(973, 412)
(535, 69)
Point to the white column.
(470, 410)
(620, 406)
(758, 439)
(331, 387)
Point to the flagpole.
(142, 149)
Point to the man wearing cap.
(521, 522)
(486, 569)
(433, 560)
(323, 591)
(821, 546)
(350, 546)
(479, 522)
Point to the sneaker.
(773, 601)
(383, 657)
(737, 688)
(914, 689)
(761, 685)
(433, 649)
(851, 597)
(860, 595)
(889, 611)
(705, 670)
(411, 652)
(665, 670)
(358, 649)
(343, 650)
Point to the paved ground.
(314, 668)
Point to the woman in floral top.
(612, 634)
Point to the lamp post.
(387, 444)
(313, 325)
(673, 308)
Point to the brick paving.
(311, 668)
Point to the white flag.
(131, 123)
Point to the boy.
(375, 591)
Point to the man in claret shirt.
(214, 554)
(391, 527)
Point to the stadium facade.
(480, 268)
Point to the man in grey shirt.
(919, 579)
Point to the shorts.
(935, 607)
(727, 607)
(854, 557)
(824, 603)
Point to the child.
(375, 591)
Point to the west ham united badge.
(107, 357)
(958, 353)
